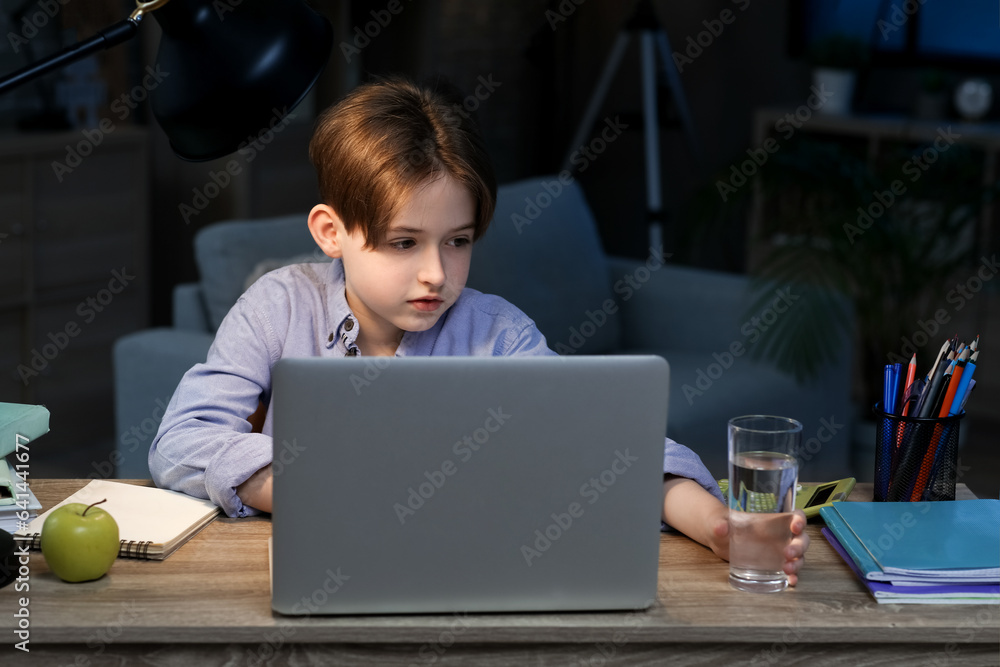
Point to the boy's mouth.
(428, 304)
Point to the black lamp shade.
(230, 71)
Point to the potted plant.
(835, 60)
(874, 249)
(894, 241)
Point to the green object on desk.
(21, 424)
(809, 496)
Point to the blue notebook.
(929, 594)
(912, 543)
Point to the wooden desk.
(209, 604)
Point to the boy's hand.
(794, 551)
(698, 514)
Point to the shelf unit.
(73, 278)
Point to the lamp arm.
(105, 39)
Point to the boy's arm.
(205, 446)
(692, 510)
(257, 490)
(693, 504)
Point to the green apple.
(79, 542)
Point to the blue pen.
(886, 438)
(890, 393)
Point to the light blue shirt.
(205, 447)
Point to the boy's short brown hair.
(385, 139)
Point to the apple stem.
(92, 504)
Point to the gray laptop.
(467, 484)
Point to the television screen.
(955, 33)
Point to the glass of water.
(763, 474)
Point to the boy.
(407, 187)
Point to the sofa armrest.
(148, 365)
(190, 313)
(676, 307)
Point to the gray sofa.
(542, 253)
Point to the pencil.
(925, 406)
(911, 375)
(941, 355)
(956, 380)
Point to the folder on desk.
(946, 542)
(886, 593)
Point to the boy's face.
(418, 272)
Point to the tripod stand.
(652, 43)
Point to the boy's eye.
(405, 244)
(461, 241)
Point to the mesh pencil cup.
(915, 459)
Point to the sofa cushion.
(543, 253)
(704, 396)
(227, 252)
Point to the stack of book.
(18, 504)
(920, 553)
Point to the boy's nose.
(431, 268)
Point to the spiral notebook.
(152, 523)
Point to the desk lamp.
(231, 68)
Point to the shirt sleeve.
(204, 446)
(528, 342)
(681, 461)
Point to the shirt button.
(353, 352)
(349, 324)
(330, 339)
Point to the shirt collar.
(342, 325)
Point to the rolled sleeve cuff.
(681, 461)
(233, 465)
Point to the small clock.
(973, 98)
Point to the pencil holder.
(915, 459)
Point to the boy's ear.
(327, 230)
